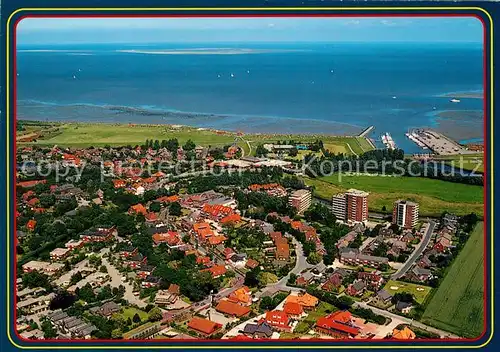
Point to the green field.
(101, 134)
(415, 290)
(473, 162)
(458, 306)
(433, 196)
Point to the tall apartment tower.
(405, 214)
(351, 206)
(300, 200)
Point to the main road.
(417, 252)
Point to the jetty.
(366, 131)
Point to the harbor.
(437, 142)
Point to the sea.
(277, 88)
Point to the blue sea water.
(333, 88)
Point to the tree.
(266, 303)
(266, 278)
(136, 318)
(261, 151)
(86, 293)
(103, 269)
(314, 258)
(155, 314)
(48, 331)
(76, 278)
(189, 145)
(35, 279)
(155, 207)
(293, 152)
(251, 277)
(175, 209)
(116, 334)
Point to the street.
(416, 253)
(116, 280)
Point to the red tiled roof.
(277, 318)
(330, 324)
(252, 263)
(151, 216)
(217, 209)
(33, 201)
(231, 308)
(216, 270)
(168, 199)
(293, 308)
(31, 224)
(231, 219)
(138, 209)
(171, 237)
(205, 326)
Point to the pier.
(366, 131)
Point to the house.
(346, 240)
(231, 219)
(42, 267)
(128, 251)
(338, 325)
(238, 260)
(171, 238)
(293, 310)
(403, 334)
(145, 271)
(420, 274)
(233, 309)
(307, 301)
(204, 327)
(278, 320)
(136, 261)
(59, 253)
(72, 244)
(356, 289)
(167, 297)
(216, 271)
(138, 209)
(251, 263)
(373, 280)
(228, 253)
(242, 296)
(382, 297)
(100, 234)
(259, 331)
(30, 225)
(150, 281)
(119, 183)
(404, 307)
(107, 309)
(425, 262)
(333, 283)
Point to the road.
(416, 253)
(300, 265)
(116, 280)
(405, 320)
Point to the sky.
(41, 31)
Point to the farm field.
(433, 196)
(420, 292)
(457, 305)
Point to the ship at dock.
(388, 141)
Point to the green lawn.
(458, 306)
(414, 289)
(129, 312)
(433, 196)
(322, 310)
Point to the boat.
(455, 100)
(388, 141)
